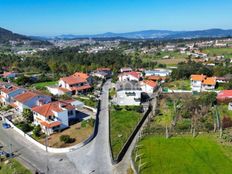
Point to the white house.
(196, 82)
(8, 92)
(129, 76)
(54, 116)
(128, 93)
(28, 100)
(158, 72)
(59, 90)
(209, 84)
(125, 69)
(148, 86)
(75, 84)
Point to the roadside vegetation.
(227, 52)
(12, 166)
(122, 123)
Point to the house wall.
(208, 87)
(124, 99)
(127, 78)
(148, 89)
(63, 118)
(196, 85)
(63, 84)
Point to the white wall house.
(196, 82)
(54, 116)
(129, 76)
(148, 86)
(128, 93)
(209, 84)
(158, 72)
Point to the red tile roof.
(25, 96)
(156, 78)
(81, 75)
(210, 81)
(49, 109)
(132, 73)
(224, 95)
(197, 77)
(79, 88)
(71, 80)
(50, 125)
(150, 83)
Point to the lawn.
(87, 101)
(13, 167)
(78, 131)
(178, 84)
(122, 124)
(227, 52)
(184, 154)
(44, 84)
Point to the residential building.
(209, 83)
(54, 116)
(196, 82)
(158, 72)
(128, 93)
(157, 78)
(8, 92)
(76, 85)
(84, 76)
(129, 76)
(224, 96)
(125, 69)
(148, 86)
(8, 75)
(29, 100)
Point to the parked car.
(5, 125)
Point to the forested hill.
(6, 35)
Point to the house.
(129, 76)
(148, 86)
(8, 92)
(196, 82)
(59, 90)
(222, 79)
(75, 84)
(103, 73)
(123, 70)
(29, 100)
(224, 96)
(157, 78)
(230, 106)
(158, 72)
(209, 83)
(8, 75)
(54, 116)
(128, 93)
(85, 76)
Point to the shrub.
(183, 125)
(25, 127)
(91, 122)
(37, 131)
(66, 139)
(83, 123)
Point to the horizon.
(51, 18)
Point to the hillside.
(6, 35)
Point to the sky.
(54, 17)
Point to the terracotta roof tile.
(71, 80)
(25, 96)
(150, 83)
(81, 75)
(196, 77)
(210, 81)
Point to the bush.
(37, 131)
(91, 122)
(117, 108)
(66, 139)
(83, 123)
(25, 127)
(183, 125)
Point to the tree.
(28, 115)
(37, 130)
(166, 122)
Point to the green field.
(122, 123)
(178, 84)
(13, 167)
(227, 52)
(44, 84)
(185, 155)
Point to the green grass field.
(227, 52)
(44, 84)
(122, 123)
(179, 84)
(185, 155)
(14, 167)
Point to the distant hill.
(6, 35)
(154, 34)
